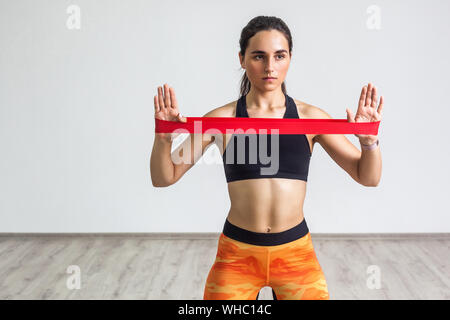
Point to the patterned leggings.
(246, 261)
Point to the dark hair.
(261, 23)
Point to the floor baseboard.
(215, 235)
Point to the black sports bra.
(291, 163)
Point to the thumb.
(181, 118)
(349, 115)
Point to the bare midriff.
(266, 205)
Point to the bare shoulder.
(227, 110)
(308, 111)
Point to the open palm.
(367, 111)
(166, 108)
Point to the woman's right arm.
(164, 172)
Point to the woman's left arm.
(363, 166)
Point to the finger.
(349, 115)
(161, 99)
(374, 98)
(380, 107)
(362, 97)
(175, 105)
(167, 96)
(368, 96)
(155, 101)
(173, 99)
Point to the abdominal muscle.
(266, 205)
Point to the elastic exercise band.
(285, 126)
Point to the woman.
(265, 240)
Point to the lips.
(268, 78)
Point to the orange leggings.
(241, 269)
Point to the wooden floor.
(170, 267)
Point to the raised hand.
(166, 108)
(367, 112)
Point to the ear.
(241, 60)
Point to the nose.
(269, 67)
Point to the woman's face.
(267, 55)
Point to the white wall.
(77, 119)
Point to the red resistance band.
(213, 125)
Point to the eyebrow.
(260, 51)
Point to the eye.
(278, 55)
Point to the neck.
(265, 100)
